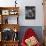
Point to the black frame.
(29, 12)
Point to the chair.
(27, 40)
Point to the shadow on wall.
(37, 29)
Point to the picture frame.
(5, 12)
(30, 12)
(13, 12)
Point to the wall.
(39, 13)
(22, 21)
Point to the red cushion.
(29, 33)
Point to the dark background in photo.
(29, 12)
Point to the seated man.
(30, 39)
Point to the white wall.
(22, 3)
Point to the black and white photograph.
(29, 12)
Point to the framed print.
(13, 12)
(5, 12)
(30, 12)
